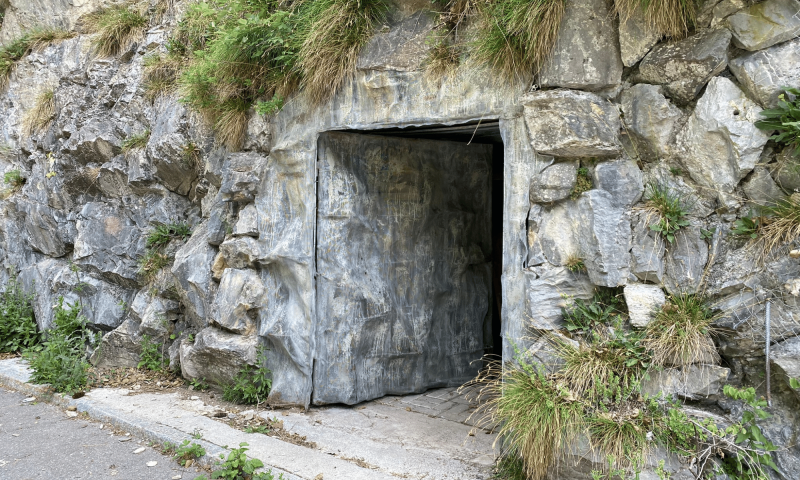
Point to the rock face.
(567, 123)
(765, 24)
(650, 119)
(765, 73)
(586, 54)
(604, 238)
(684, 66)
(192, 271)
(692, 382)
(720, 135)
(217, 356)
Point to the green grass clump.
(138, 140)
(61, 360)
(36, 39)
(680, 333)
(14, 179)
(674, 18)
(515, 37)
(116, 26)
(586, 317)
(238, 467)
(152, 356)
(18, 330)
(252, 384)
(154, 258)
(784, 120)
(160, 75)
(667, 205)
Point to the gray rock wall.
(679, 118)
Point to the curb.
(14, 375)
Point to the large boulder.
(647, 249)
(41, 227)
(192, 272)
(549, 290)
(720, 142)
(120, 347)
(764, 74)
(765, 24)
(242, 175)
(402, 48)
(154, 313)
(684, 66)
(554, 182)
(241, 293)
(586, 53)
(650, 119)
(604, 238)
(567, 123)
(216, 356)
(170, 149)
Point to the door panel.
(403, 265)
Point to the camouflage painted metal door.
(403, 272)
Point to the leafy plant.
(680, 333)
(14, 179)
(754, 453)
(583, 183)
(135, 141)
(116, 26)
(583, 317)
(252, 384)
(152, 356)
(61, 361)
(199, 384)
(671, 211)
(784, 120)
(185, 452)
(18, 330)
(160, 236)
(575, 264)
(151, 262)
(746, 227)
(707, 234)
(238, 467)
(272, 106)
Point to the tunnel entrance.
(409, 249)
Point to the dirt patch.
(7, 355)
(253, 423)
(136, 380)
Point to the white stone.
(643, 301)
(765, 24)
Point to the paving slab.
(387, 438)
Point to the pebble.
(72, 414)
(194, 397)
(139, 450)
(152, 464)
(72, 408)
(177, 477)
(29, 399)
(125, 439)
(15, 434)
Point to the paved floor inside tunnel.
(453, 404)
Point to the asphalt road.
(40, 441)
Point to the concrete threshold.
(382, 439)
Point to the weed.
(18, 329)
(159, 76)
(263, 429)
(252, 384)
(135, 141)
(444, 56)
(14, 179)
(575, 264)
(583, 183)
(784, 120)
(515, 37)
(680, 333)
(199, 384)
(39, 117)
(116, 27)
(270, 107)
(163, 234)
(61, 361)
(152, 356)
(667, 205)
(782, 224)
(509, 467)
(746, 227)
(185, 452)
(197, 434)
(676, 171)
(584, 317)
(191, 155)
(238, 467)
(707, 234)
(668, 17)
(151, 262)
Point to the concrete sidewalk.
(421, 436)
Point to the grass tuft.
(135, 141)
(667, 17)
(583, 183)
(680, 333)
(670, 209)
(575, 264)
(36, 39)
(116, 27)
(159, 76)
(781, 224)
(515, 37)
(38, 118)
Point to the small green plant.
(509, 468)
(583, 183)
(185, 452)
(755, 448)
(676, 171)
(575, 264)
(116, 27)
(238, 467)
(152, 356)
(782, 225)
(191, 155)
(199, 384)
(135, 141)
(583, 317)
(154, 258)
(784, 120)
(270, 107)
(197, 434)
(746, 227)
(680, 333)
(252, 384)
(263, 429)
(18, 330)
(14, 180)
(669, 208)
(707, 234)
(151, 262)
(61, 361)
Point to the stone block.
(765, 24)
(643, 302)
(554, 182)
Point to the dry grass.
(680, 333)
(668, 17)
(34, 40)
(443, 59)
(116, 27)
(336, 32)
(39, 118)
(231, 127)
(515, 37)
(574, 264)
(160, 75)
(781, 226)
